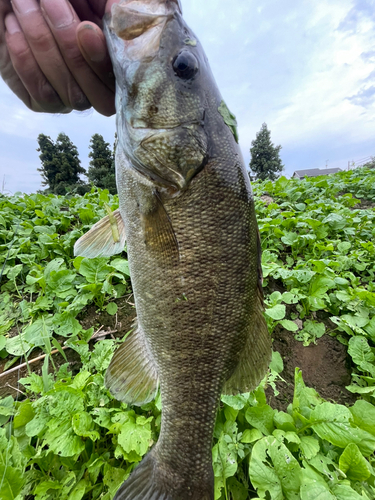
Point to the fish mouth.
(148, 7)
(133, 18)
(139, 25)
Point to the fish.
(187, 214)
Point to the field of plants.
(62, 435)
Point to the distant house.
(314, 172)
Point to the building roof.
(315, 172)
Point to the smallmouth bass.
(187, 213)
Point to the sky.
(305, 68)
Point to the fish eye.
(185, 65)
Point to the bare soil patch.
(325, 367)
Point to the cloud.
(365, 97)
(362, 11)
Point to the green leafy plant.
(70, 440)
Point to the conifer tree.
(61, 165)
(102, 165)
(50, 162)
(265, 160)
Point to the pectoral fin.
(160, 237)
(105, 238)
(132, 376)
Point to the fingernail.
(12, 25)
(59, 12)
(25, 6)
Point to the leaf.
(113, 478)
(82, 423)
(284, 421)
(313, 486)
(14, 272)
(251, 435)
(276, 312)
(353, 464)
(345, 492)
(224, 459)
(261, 417)
(60, 282)
(313, 329)
(320, 285)
(94, 270)
(370, 329)
(79, 490)
(236, 489)
(17, 346)
(277, 364)
(273, 468)
(11, 482)
(47, 381)
(135, 436)
(57, 346)
(65, 324)
(364, 415)
(33, 383)
(289, 325)
(102, 355)
(112, 308)
(336, 221)
(362, 354)
(6, 409)
(236, 402)
(24, 414)
(41, 490)
(304, 396)
(344, 247)
(289, 238)
(309, 446)
(121, 265)
(333, 423)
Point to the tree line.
(61, 167)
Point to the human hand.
(51, 60)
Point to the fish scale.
(193, 247)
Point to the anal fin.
(105, 238)
(254, 358)
(132, 375)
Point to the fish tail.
(151, 481)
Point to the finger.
(36, 91)
(91, 41)
(85, 11)
(56, 14)
(47, 54)
(7, 71)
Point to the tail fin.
(152, 481)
